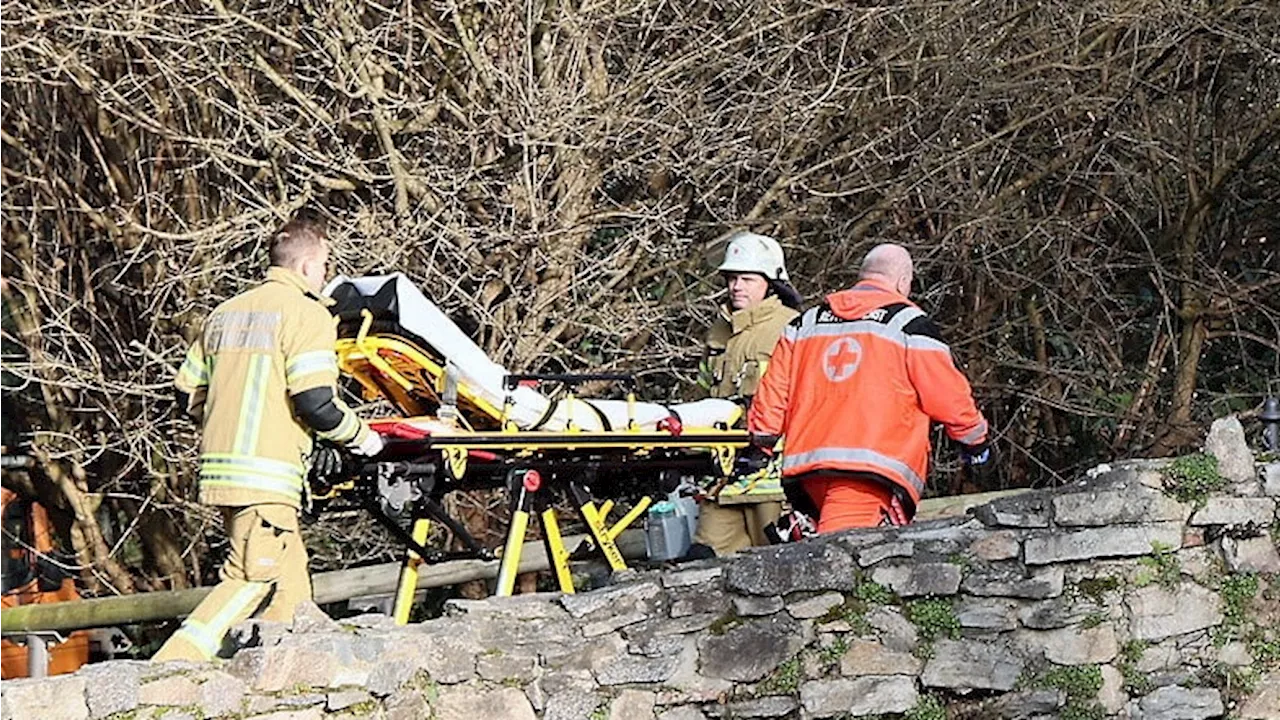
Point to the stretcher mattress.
(422, 320)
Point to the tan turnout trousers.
(267, 562)
(730, 528)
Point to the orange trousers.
(848, 502)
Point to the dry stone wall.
(1144, 591)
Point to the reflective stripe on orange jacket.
(853, 385)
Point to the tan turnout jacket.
(254, 352)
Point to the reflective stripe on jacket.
(853, 385)
(255, 351)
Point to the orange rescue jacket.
(853, 384)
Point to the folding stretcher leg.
(510, 566)
(557, 553)
(595, 519)
(408, 585)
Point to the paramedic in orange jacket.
(852, 387)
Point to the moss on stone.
(1135, 683)
(1093, 620)
(725, 623)
(785, 679)
(934, 618)
(1161, 567)
(1097, 588)
(1237, 591)
(1080, 683)
(1192, 478)
(929, 707)
(834, 652)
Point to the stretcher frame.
(480, 447)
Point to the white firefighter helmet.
(749, 252)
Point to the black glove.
(979, 461)
(330, 463)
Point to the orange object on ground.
(853, 385)
(28, 535)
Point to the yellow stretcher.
(465, 423)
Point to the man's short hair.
(297, 240)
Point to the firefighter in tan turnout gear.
(760, 304)
(261, 380)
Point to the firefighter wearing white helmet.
(759, 304)
(748, 252)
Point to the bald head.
(889, 264)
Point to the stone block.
(765, 707)
(1235, 654)
(867, 657)
(656, 646)
(1117, 504)
(972, 665)
(1179, 703)
(1259, 512)
(1271, 479)
(1255, 554)
(1039, 703)
(860, 696)
(1157, 613)
(312, 713)
(1056, 613)
(1116, 541)
(814, 607)
(812, 566)
(632, 705)
(1227, 443)
(581, 657)
(916, 579)
(647, 636)
(1159, 657)
(610, 600)
(111, 687)
(1264, 702)
(448, 657)
(688, 685)
(750, 651)
(1072, 645)
(469, 703)
(500, 666)
(524, 607)
(700, 578)
(632, 669)
(281, 703)
(997, 545)
(309, 662)
(407, 705)
(343, 699)
(1112, 696)
(683, 712)
(175, 690)
(986, 613)
(1013, 580)
(219, 693)
(57, 698)
(895, 631)
(751, 606)
(874, 554)
(573, 705)
(695, 601)
(1026, 510)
